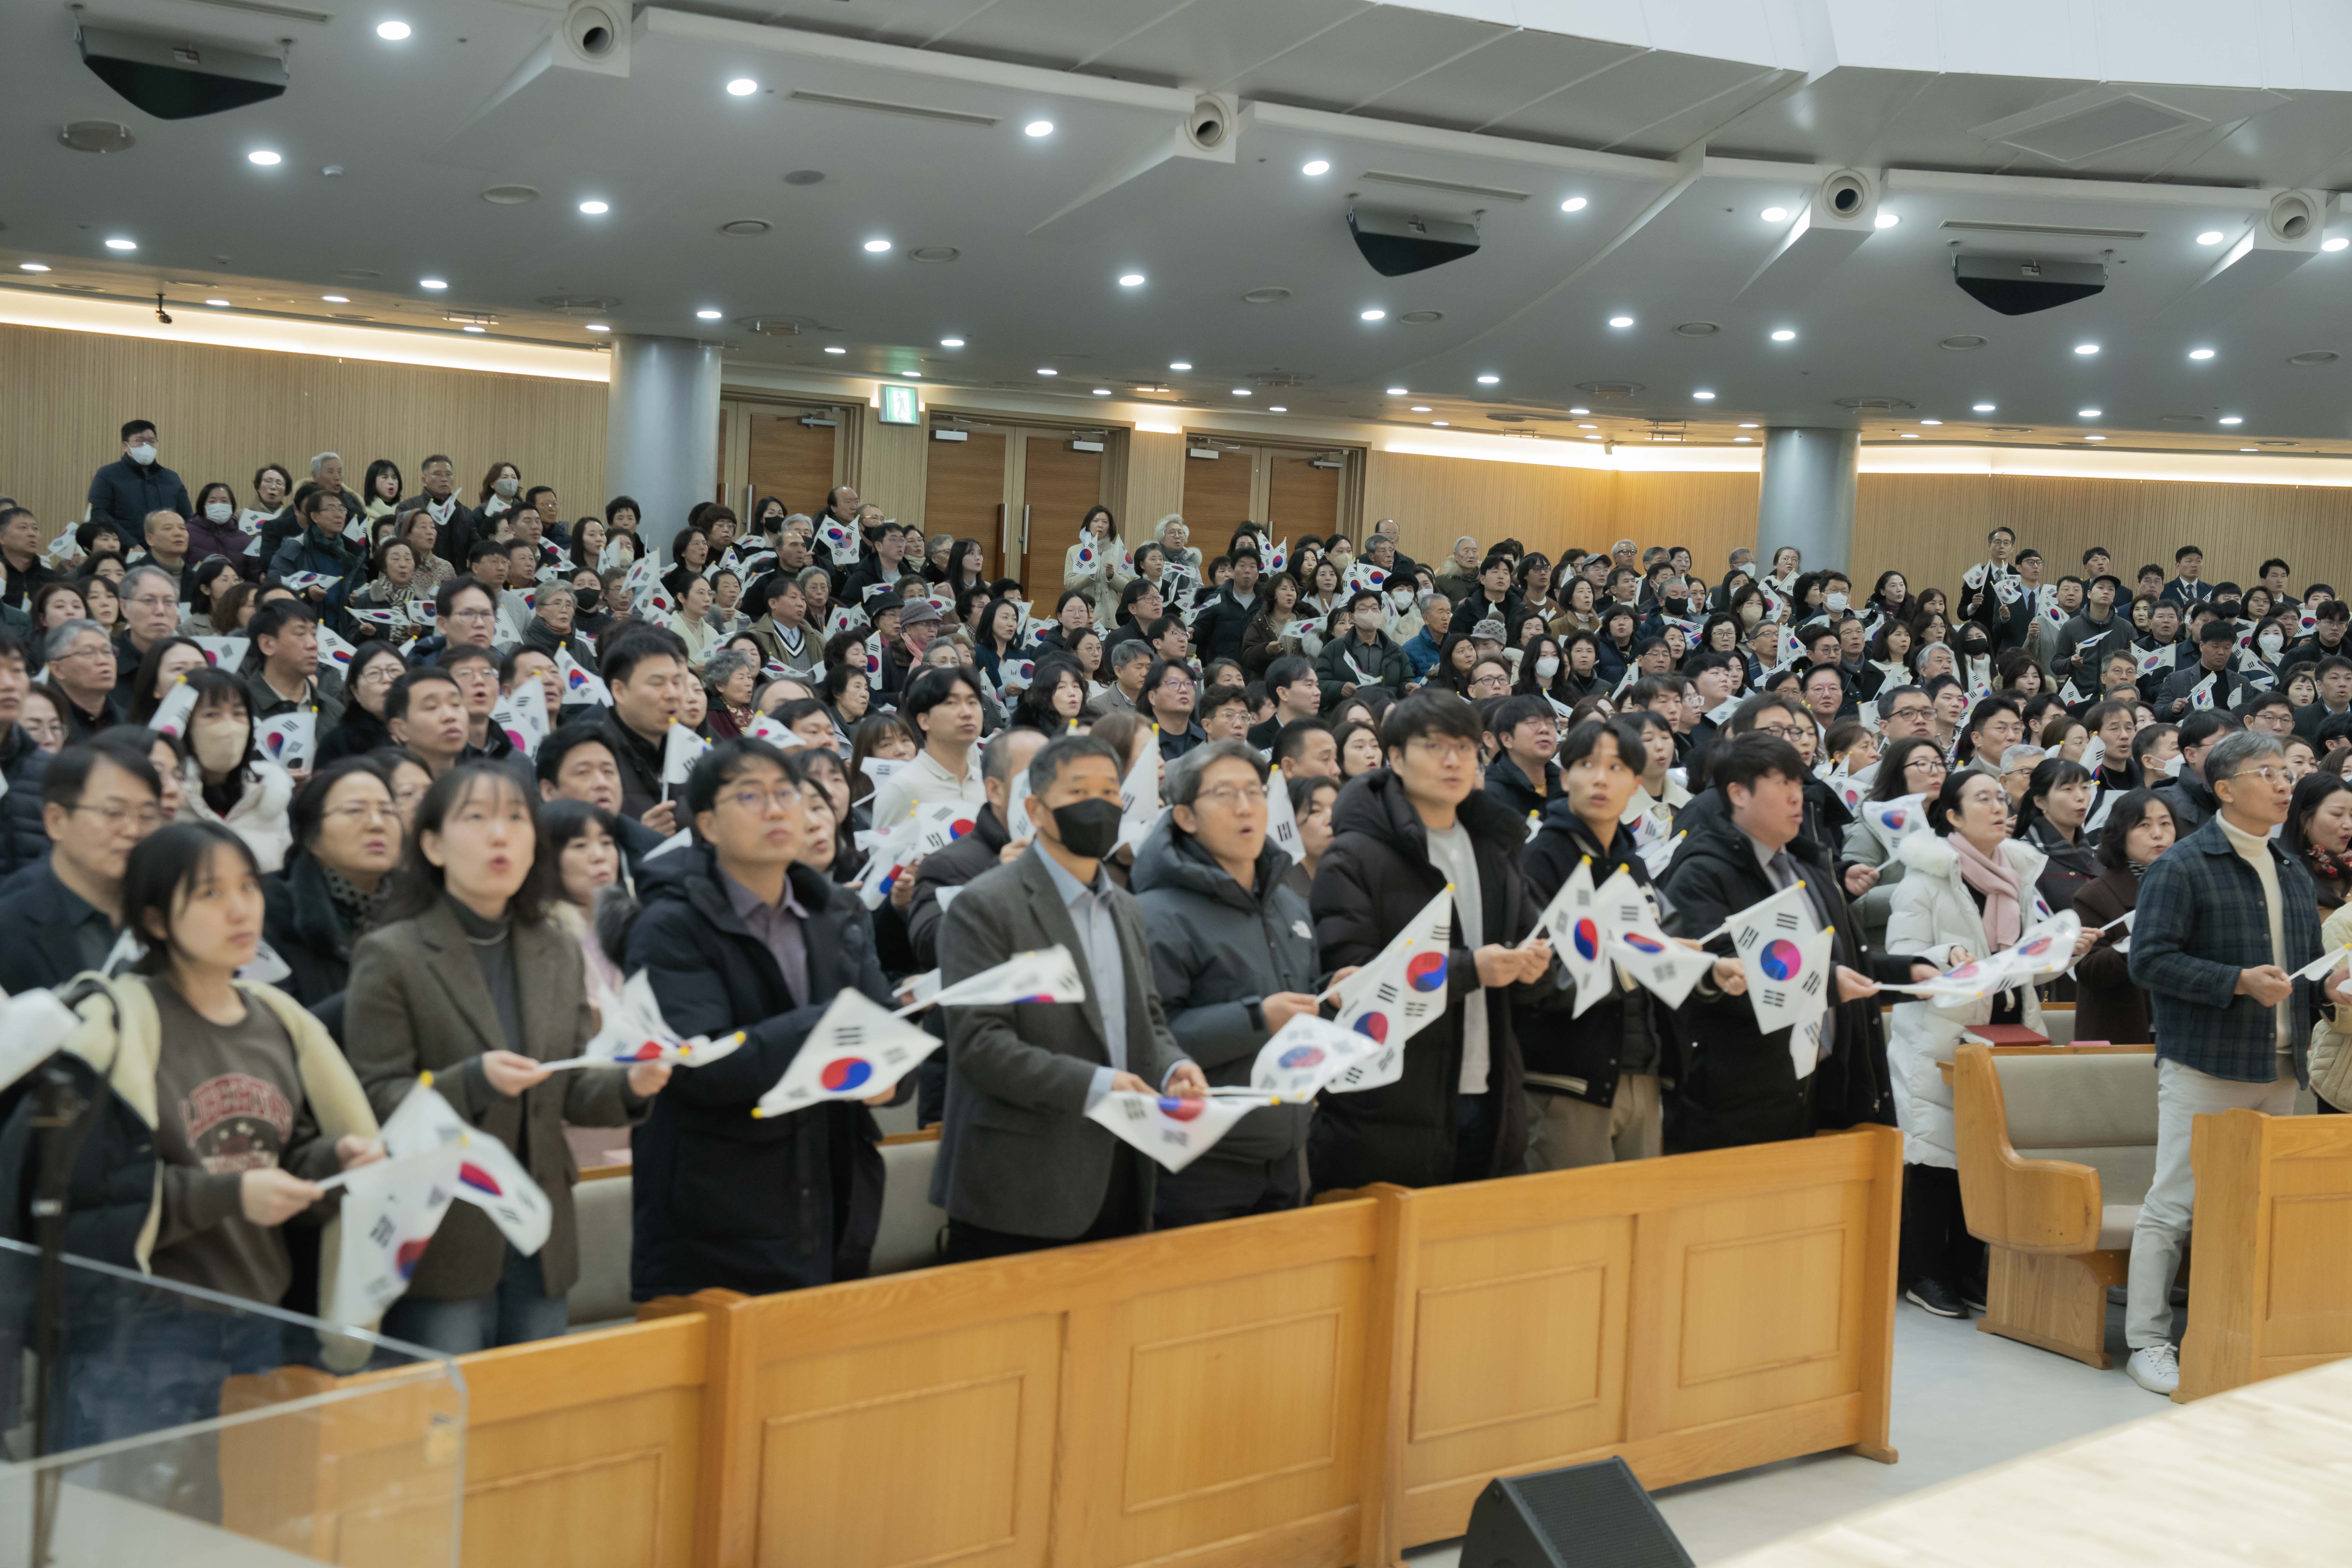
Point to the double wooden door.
(1021, 490)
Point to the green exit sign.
(898, 406)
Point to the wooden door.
(1058, 486)
(1217, 496)
(790, 460)
(963, 493)
(1301, 498)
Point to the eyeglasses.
(2267, 773)
(471, 615)
(367, 811)
(759, 802)
(1785, 731)
(146, 818)
(1925, 764)
(1916, 710)
(1226, 796)
(156, 600)
(1448, 750)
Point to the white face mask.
(144, 453)
(219, 511)
(1547, 666)
(219, 744)
(2273, 645)
(506, 486)
(1835, 601)
(1404, 601)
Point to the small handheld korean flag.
(488, 1176)
(578, 686)
(523, 716)
(1395, 996)
(2047, 948)
(2071, 697)
(226, 653)
(2201, 694)
(1139, 800)
(172, 713)
(942, 822)
(2094, 756)
(1175, 1133)
(298, 581)
(289, 739)
(857, 1051)
(874, 654)
(1281, 819)
(334, 652)
(1891, 821)
(893, 852)
(2157, 658)
(1572, 920)
(644, 575)
(844, 618)
(390, 1211)
(680, 750)
(1306, 1054)
(1660, 962)
(1045, 975)
(631, 1031)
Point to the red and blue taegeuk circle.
(1177, 1110)
(1425, 972)
(1301, 1057)
(845, 1073)
(1588, 939)
(1781, 959)
(1641, 943)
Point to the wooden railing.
(2270, 1274)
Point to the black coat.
(1375, 877)
(123, 493)
(41, 948)
(2070, 868)
(302, 926)
(355, 734)
(1507, 784)
(975, 853)
(24, 839)
(722, 1198)
(640, 763)
(1737, 1084)
(1589, 1051)
(1219, 630)
(451, 539)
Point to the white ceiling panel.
(1499, 80)
(1372, 52)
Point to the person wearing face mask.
(228, 781)
(1021, 1167)
(126, 490)
(1364, 658)
(212, 526)
(1672, 603)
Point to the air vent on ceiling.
(1422, 183)
(1422, 317)
(2075, 136)
(580, 304)
(97, 136)
(934, 253)
(1961, 343)
(907, 111)
(745, 228)
(806, 177)
(1698, 329)
(2009, 429)
(357, 274)
(1266, 296)
(779, 326)
(2274, 443)
(2313, 356)
(2057, 230)
(2181, 418)
(1283, 378)
(1610, 388)
(462, 319)
(1508, 419)
(1882, 404)
(510, 195)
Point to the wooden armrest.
(2027, 1205)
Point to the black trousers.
(1210, 1188)
(1122, 1215)
(1935, 1241)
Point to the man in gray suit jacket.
(1020, 1166)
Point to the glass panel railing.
(174, 1426)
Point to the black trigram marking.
(1811, 984)
(1135, 1110)
(383, 1232)
(1789, 920)
(1747, 939)
(1774, 997)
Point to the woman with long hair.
(468, 978)
(1889, 597)
(1456, 656)
(1269, 636)
(1360, 750)
(999, 641)
(1056, 700)
(1092, 566)
(416, 529)
(1578, 607)
(2107, 1005)
(1883, 661)
(228, 781)
(1540, 664)
(883, 735)
(500, 491)
(2051, 816)
(2318, 831)
(161, 670)
(1911, 766)
(374, 667)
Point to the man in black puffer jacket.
(723, 1198)
(1400, 834)
(1232, 964)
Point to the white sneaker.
(2156, 1368)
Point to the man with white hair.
(327, 472)
(1460, 578)
(1625, 553)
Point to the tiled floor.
(1963, 1400)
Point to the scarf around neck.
(1997, 883)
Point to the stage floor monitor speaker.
(1585, 1516)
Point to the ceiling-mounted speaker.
(2020, 285)
(177, 78)
(594, 37)
(2294, 215)
(1397, 242)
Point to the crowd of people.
(481, 807)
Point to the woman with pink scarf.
(1968, 892)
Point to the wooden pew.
(1695, 1314)
(2270, 1272)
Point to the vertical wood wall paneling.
(892, 468)
(222, 413)
(1437, 500)
(1155, 482)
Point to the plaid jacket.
(2201, 920)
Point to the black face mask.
(1088, 828)
(587, 597)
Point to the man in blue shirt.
(1421, 648)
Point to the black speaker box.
(1585, 1516)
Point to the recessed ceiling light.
(1371, 315)
(2201, 354)
(433, 283)
(2230, 419)
(2250, 448)
(1399, 392)
(392, 31)
(1179, 364)
(2094, 437)
(1488, 380)
(1621, 320)
(1038, 128)
(2086, 350)
(834, 349)
(470, 328)
(1784, 335)
(2086, 414)
(1573, 204)
(336, 299)
(594, 209)
(950, 342)
(1277, 408)
(877, 245)
(120, 244)
(1579, 412)
(1931, 422)
(1240, 392)
(1909, 434)
(1747, 425)
(1982, 408)
(2210, 236)
(708, 315)
(598, 327)
(1317, 167)
(1587, 427)
(264, 158)
(1131, 279)
(1420, 409)
(912, 374)
(1102, 392)
(1596, 437)
(1048, 370)
(742, 87)
(217, 303)
(1703, 396)
(1773, 215)
(1437, 422)
(2337, 243)
(1886, 220)
(31, 266)
(1735, 437)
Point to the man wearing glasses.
(465, 611)
(82, 671)
(150, 612)
(98, 799)
(1169, 696)
(2225, 920)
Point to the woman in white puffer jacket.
(1968, 892)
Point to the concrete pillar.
(661, 439)
(1806, 498)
